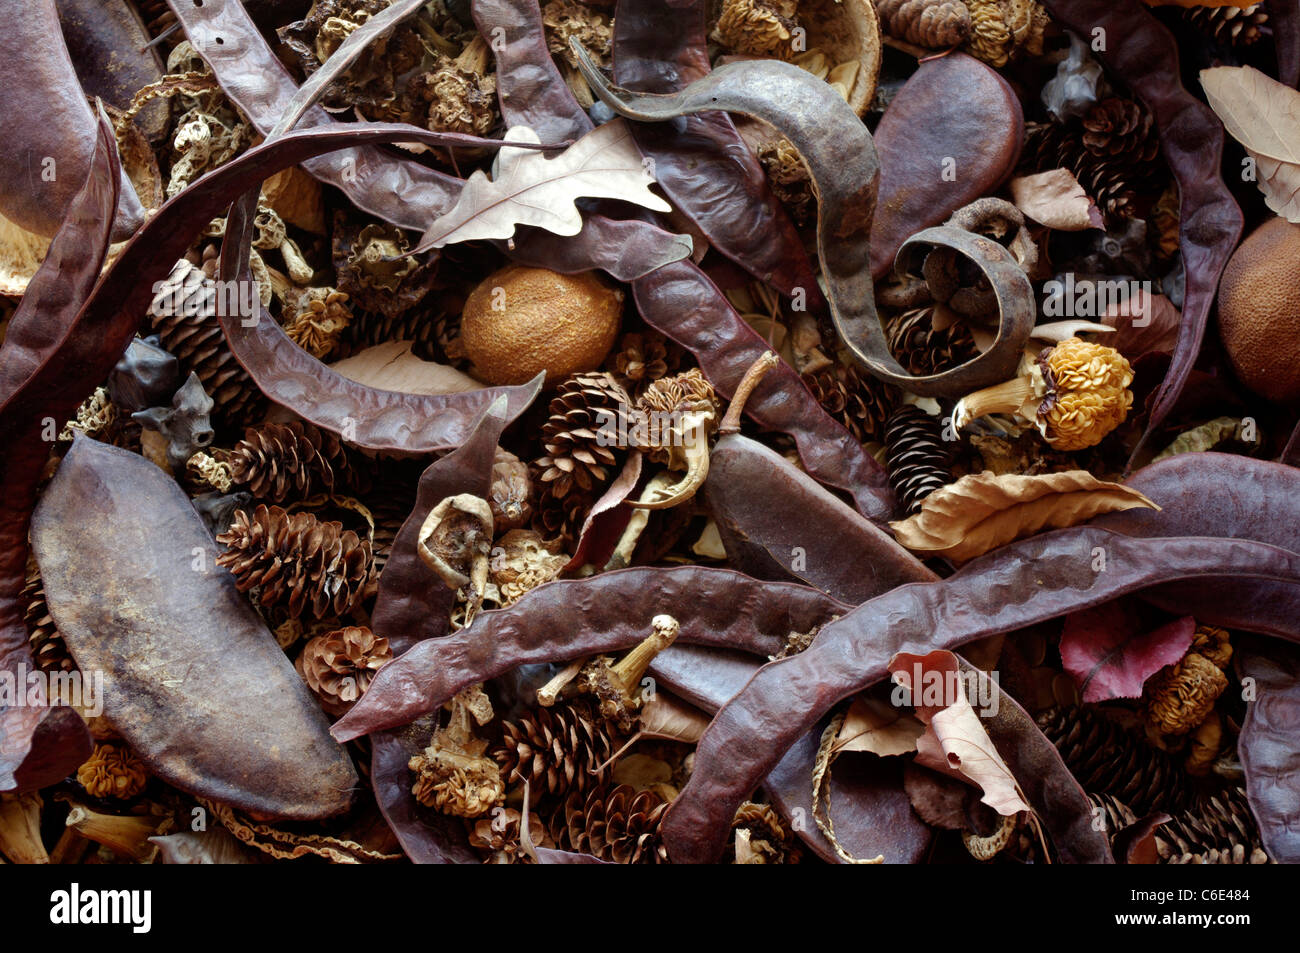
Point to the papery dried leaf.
(1057, 200)
(665, 716)
(527, 188)
(1110, 655)
(1264, 116)
(176, 641)
(1143, 323)
(954, 740)
(392, 366)
(983, 511)
(786, 699)
(1191, 139)
(215, 846)
(877, 727)
(1204, 437)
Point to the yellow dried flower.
(1000, 29)
(1088, 394)
(758, 27)
(1180, 696)
(317, 327)
(112, 771)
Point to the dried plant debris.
(607, 466)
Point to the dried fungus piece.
(338, 666)
(455, 541)
(453, 775)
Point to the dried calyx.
(616, 686)
(453, 774)
(1075, 394)
(456, 543)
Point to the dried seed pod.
(20, 829)
(322, 317)
(112, 771)
(338, 666)
(185, 424)
(511, 496)
(617, 686)
(522, 561)
(144, 377)
(640, 359)
(298, 561)
(461, 92)
(760, 837)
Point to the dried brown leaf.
(1056, 199)
(666, 716)
(1264, 116)
(878, 727)
(392, 366)
(983, 511)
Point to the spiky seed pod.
(858, 401)
(577, 454)
(915, 455)
(922, 349)
(934, 24)
(1108, 759)
(556, 750)
(299, 562)
(298, 459)
(1230, 26)
(618, 824)
(48, 648)
(184, 316)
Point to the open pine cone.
(338, 666)
(575, 455)
(556, 750)
(276, 461)
(616, 824)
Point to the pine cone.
(556, 750)
(1124, 127)
(858, 401)
(574, 456)
(183, 315)
(1112, 179)
(934, 24)
(48, 648)
(1107, 759)
(923, 350)
(1219, 830)
(338, 666)
(915, 455)
(619, 825)
(296, 459)
(639, 360)
(430, 335)
(1230, 26)
(298, 560)
(562, 517)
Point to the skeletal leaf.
(983, 511)
(529, 189)
(1264, 116)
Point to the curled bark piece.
(50, 129)
(1191, 138)
(786, 699)
(801, 107)
(176, 641)
(607, 613)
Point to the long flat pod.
(841, 159)
(1018, 585)
(1138, 48)
(49, 129)
(193, 679)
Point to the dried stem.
(731, 422)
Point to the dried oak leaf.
(982, 511)
(1264, 116)
(527, 188)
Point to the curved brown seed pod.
(1191, 138)
(785, 699)
(49, 129)
(177, 642)
(777, 522)
(572, 618)
(842, 161)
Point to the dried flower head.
(523, 561)
(452, 774)
(322, 317)
(378, 258)
(500, 834)
(511, 496)
(758, 27)
(456, 542)
(638, 361)
(566, 19)
(461, 93)
(338, 666)
(1180, 696)
(112, 771)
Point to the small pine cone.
(934, 24)
(112, 771)
(858, 401)
(556, 750)
(572, 436)
(1121, 127)
(915, 455)
(640, 359)
(620, 825)
(1107, 759)
(1230, 26)
(1219, 829)
(925, 351)
(298, 560)
(296, 459)
(758, 27)
(562, 517)
(48, 648)
(338, 666)
(183, 315)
